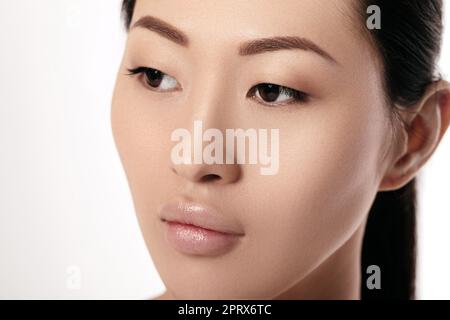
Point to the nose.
(211, 107)
(196, 168)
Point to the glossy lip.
(199, 215)
(196, 229)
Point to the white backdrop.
(67, 223)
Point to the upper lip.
(199, 215)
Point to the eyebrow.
(248, 48)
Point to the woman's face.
(331, 144)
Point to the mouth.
(196, 229)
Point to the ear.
(426, 123)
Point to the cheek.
(324, 188)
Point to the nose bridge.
(211, 97)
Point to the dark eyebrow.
(163, 28)
(251, 47)
(258, 46)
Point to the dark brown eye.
(155, 79)
(270, 93)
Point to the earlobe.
(426, 125)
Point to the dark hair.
(408, 44)
(127, 11)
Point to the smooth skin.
(304, 225)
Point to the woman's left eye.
(155, 79)
(275, 95)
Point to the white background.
(67, 223)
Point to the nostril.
(210, 177)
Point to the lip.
(197, 229)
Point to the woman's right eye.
(154, 79)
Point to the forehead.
(330, 23)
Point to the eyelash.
(298, 97)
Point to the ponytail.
(390, 243)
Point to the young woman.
(351, 87)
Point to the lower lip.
(194, 240)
